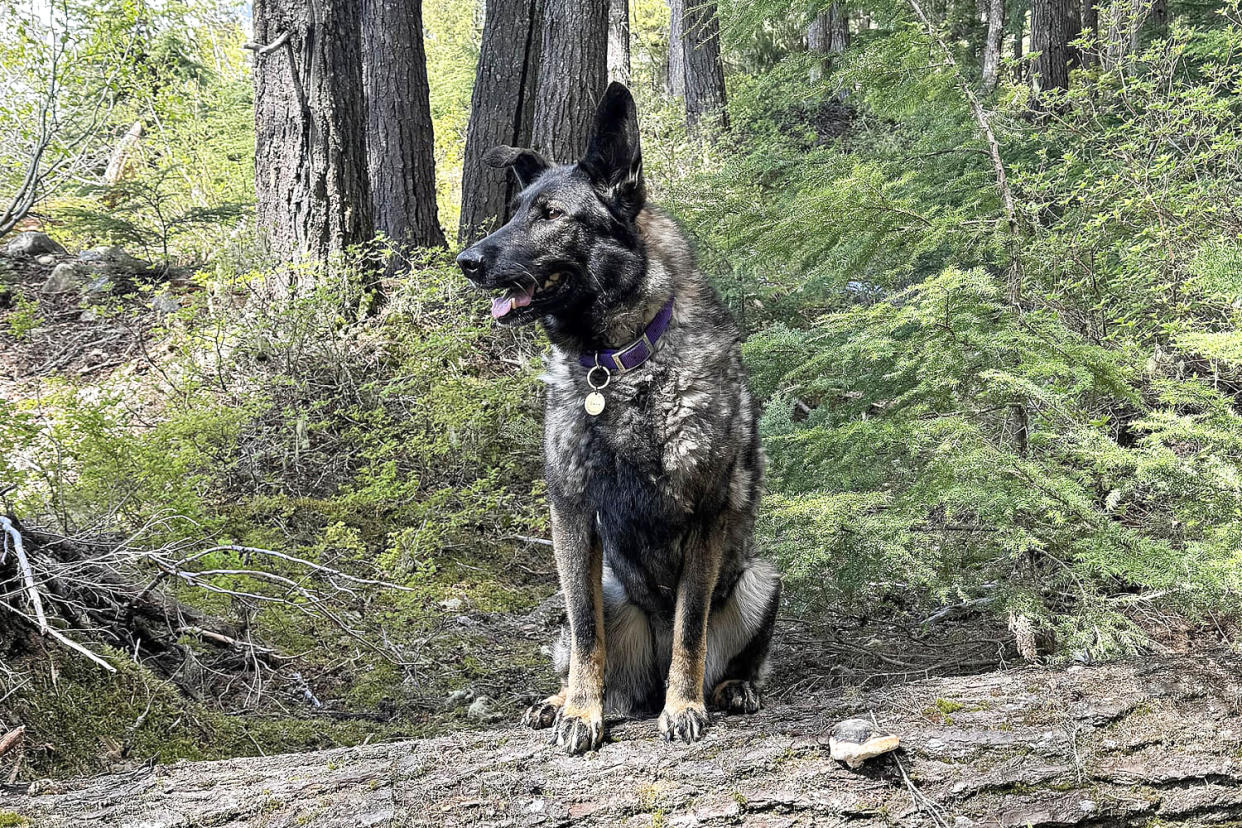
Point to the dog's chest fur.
(675, 445)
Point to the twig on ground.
(13, 737)
(23, 564)
(62, 638)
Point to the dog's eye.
(552, 213)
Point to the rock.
(89, 315)
(451, 604)
(47, 260)
(65, 277)
(164, 303)
(854, 741)
(482, 709)
(460, 697)
(112, 260)
(33, 243)
(99, 286)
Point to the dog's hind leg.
(738, 636)
(632, 679)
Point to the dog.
(651, 449)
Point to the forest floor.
(59, 333)
(1143, 742)
(1156, 740)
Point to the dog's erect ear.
(614, 160)
(526, 164)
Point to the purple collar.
(637, 352)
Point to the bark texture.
(676, 85)
(704, 73)
(1091, 26)
(1050, 37)
(1019, 46)
(573, 72)
(828, 34)
(501, 111)
(313, 195)
(1154, 741)
(1124, 21)
(992, 44)
(619, 41)
(400, 146)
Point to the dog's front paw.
(686, 721)
(578, 729)
(543, 714)
(736, 696)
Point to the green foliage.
(23, 318)
(1070, 458)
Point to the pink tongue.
(515, 298)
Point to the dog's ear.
(526, 164)
(614, 160)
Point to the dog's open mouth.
(520, 296)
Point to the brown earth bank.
(1142, 742)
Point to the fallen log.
(1149, 741)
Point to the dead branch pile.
(84, 591)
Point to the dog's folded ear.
(614, 160)
(526, 164)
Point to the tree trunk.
(992, 44)
(573, 71)
(676, 57)
(1123, 20)
(501, 111)
(828, 34)
(1091, 26)
(1050, 36)
(1160, 18)
(400, 146)
(313, 196)
(619, 41)
(1073, 30)
(1146, 742)
(1019, 45)
(705, 88)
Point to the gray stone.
(483, 709)
(113, 260)
(47, 260)
(33, 243)
(164, 303)
(100, 285)
(65, 277)
(460, 697)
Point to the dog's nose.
(470, 261)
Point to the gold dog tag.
(594, 403)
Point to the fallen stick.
(59, 636)
(13, 737)
(36, 602)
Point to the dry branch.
(19, 552)
(13, 737)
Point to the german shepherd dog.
(651, 451)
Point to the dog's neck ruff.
(620, 360)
